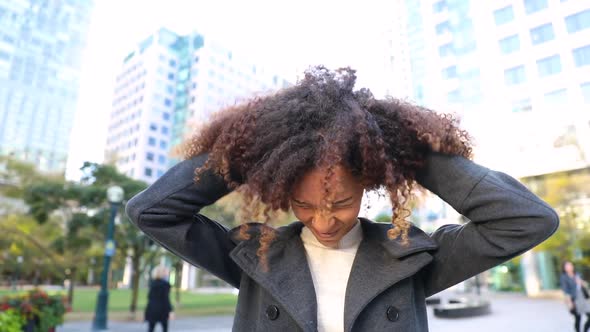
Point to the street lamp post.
(115, 197)
(19, 261)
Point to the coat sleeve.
(169, 306)
(168, 212)
(566, 286)
(505, 220)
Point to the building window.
(160, 173)
(523, 105)
(149, 156)
(443, 27)
(172, 63)
(164, 130)
(585, 92)
(515, 75)
(153, 127)
(4, 55)
(147, 172)
(167, 102)
(542, 34)
(578, 21)
(166, 116)
(558, 97)
(454, 96)
(582, 56)
(171, 76)
(533, 6)
(549, 66)
(151, 141)
(163, 144)
(503, 15)
(445, 50)
(161, 159)
(449, 72)
(439, 6)
(509, 44)
(169, 88)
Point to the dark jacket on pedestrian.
(568, 285)
(388, 282)
(159, 307)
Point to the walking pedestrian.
(576, 295)
(158, 308)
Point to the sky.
(287, 36)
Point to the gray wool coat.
(388, 282)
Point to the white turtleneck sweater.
(330, 269)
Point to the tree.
(20, 235)
(566, 192)
(130, 240)
(84, 213)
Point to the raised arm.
(168, 212)
(506, 219)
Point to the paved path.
(201, 324)
(510, 312)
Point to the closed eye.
(300, 204)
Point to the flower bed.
(34, 311)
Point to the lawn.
(119, 300)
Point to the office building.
(41, 44)
(168, 84)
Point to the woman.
(159, 308)
(315, 148)
(576, 295)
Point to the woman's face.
(569, 267)
(328, 218)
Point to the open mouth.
(327, 235)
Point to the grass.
(119, 300)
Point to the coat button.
(392, 313)
(272, 312)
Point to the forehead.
(312, 184)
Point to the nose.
(323, 222)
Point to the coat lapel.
(288, 278)
(380, 263)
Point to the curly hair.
(263, 146)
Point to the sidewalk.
(510, 312)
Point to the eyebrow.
(342, 201)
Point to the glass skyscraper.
(519, 65)
(509, 56)
(41, 44)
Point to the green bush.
(47, 311)
(11, 321)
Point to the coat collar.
(385, 270)
(289, 279)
